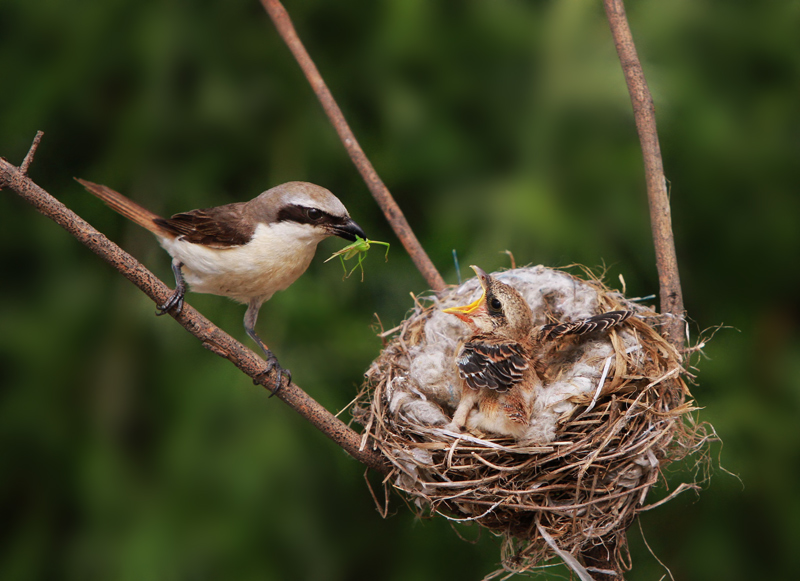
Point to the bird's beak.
(347, 230)
(467, 312)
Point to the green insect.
(360, 248)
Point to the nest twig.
(584, 487)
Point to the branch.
(660, 217)
(213, 337)
(657, 194)
(379, 190)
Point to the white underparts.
(272, 260)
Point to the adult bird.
(246, 251)
(498, 379)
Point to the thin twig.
(376, 186)
(26, 163)
(212, 336)
(657, 194)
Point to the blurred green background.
(127, 451)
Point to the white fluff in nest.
(430, 392)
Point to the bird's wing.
(597, 323)
(218, 227)
(497, 366)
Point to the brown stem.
(657, 194)
(213, 337)
(379, 190)
(660, 217)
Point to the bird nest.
(612, 411)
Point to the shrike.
(246, 251)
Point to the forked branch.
(221, 343)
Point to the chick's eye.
(313, 214)
(495, 304)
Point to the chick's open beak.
(467, 312)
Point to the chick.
(495, 364)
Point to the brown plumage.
(127, 207)
(598, 323)
(496, 363)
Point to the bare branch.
(657, 194)
(379, 190)
(213, 337)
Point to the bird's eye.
(495, 304)
(313, 214)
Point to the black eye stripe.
(306, 215)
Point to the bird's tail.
(126, 207)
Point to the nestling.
(495, 364)
(246, 251)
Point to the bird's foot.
(454, 427)
(175, 301)
(272, 363)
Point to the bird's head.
(499, 310)
(311, 207)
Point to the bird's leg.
(469, 397)
(250, 318)
(175, 301)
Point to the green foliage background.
(127, 451)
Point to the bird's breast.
(273, 259)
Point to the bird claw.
(175, 301)
(272, 363)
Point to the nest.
(613, 411)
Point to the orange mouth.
(466, 312)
